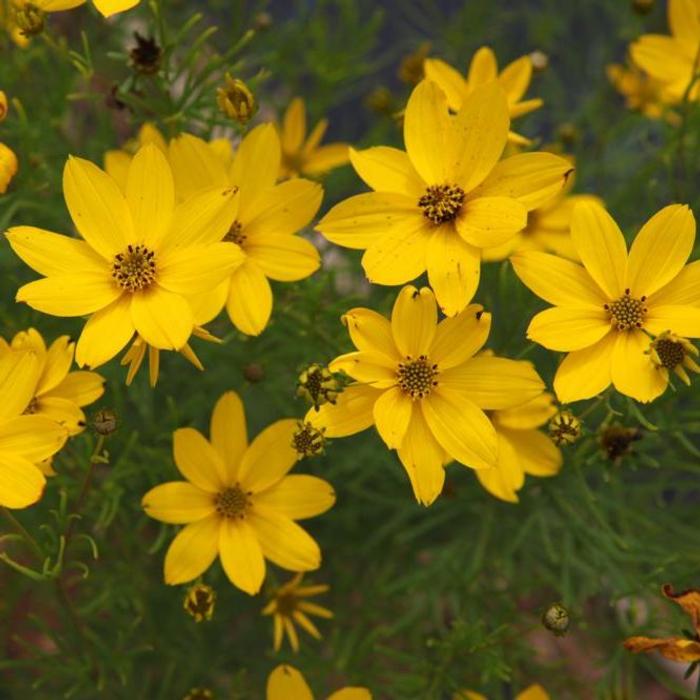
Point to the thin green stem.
(24, 533)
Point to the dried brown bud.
(104, 421)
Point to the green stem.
(24, 533)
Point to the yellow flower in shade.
(671, 353)
(117, 161)
(675, 648)
(534, 692)
(436, 206)
(514, 79)
(522, 448)
(8, 23)
(606, 307)
(238, 501)
(107, 8)
(141, 257)
(26, 440)
(419, 383)
(8, 167)
(671, 59)
(286, 683)
(236, 100)
(289, 606)
(268, 216)
(641, 92)
(302, 155)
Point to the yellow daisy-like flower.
(438, 204)
(286, 683)
(522, 448)
(117, 161)
(25, 440)
(238, 501)
(642, 93)
(419, 383)
(289, 606)
(8, 167)
(302, 155)
(671, 353)
(606, 307)
(672, 59)
(514, 79)
(534, 692)
(268, 216)
(142, 256)
(106, 8)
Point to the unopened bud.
(539, 61)
(3, 105)
(146, 55)
(565, 428)
(236, 100)
(104, 421)
(308, 441)
(254, 372)
(29, 19)
(199, 601)
(318, 386)
(643, 7)
(556, 619)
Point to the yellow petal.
(197, 460)
(162, 319)
(61, 412)
(562, 328)
(355, 693)
(228, 432)
(558, 281)
(367, 367)
(269, 456)
(294, 126)
(192, 551)
(392, 414)
(414, 321)
(315, 138)
(683, 290)
(601, 247)
(298, 496)
(53, 254)
(663, 58)
(111, 7)
(98, 207)
(206, 307)
(19, 375)
(59, 358)
(105, 333)
(507, 477)
(633, 373)
(527, 416)
(660, 249)
(453, 270)
(178, 502)
(427, 132)
(422, 458)
(326, 158)
(371, 332)
(515, 78)
(117, 166)
(682, 320)
(249, 303)
(531, 178)
(534, 692)
(70, 295)
(286, 683)
(256, 163)
(538, 455)
(483, 67)
(480, 133)
(241, 555)
(195, 166)
(282, 257)
(461, 428)
(684, 20)
(488, 221)
(150, 194)
(283, 542)
(585, 373)
(387, 169)
(448, 79)
(21, 482)
(194, 270)
(32, 437)
(460, 337)
(351, 413)
(81, 388)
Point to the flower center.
(308, 440)
(417, 377)
(627, 312)
(135, 269)
(286, 604)
(670, 353)
(232, 502)
(441, 203)
(235, 234)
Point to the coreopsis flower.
(236, 100)
(238, 501)
(308, 441)
(514, 79)
(533, 692)
(117, 161)
(438, 205)
(565, 428)
(671, 353)
(289, 605)
(642, 93)
(522, 448)
(26, 440)
(302, 155)
(140, 258)
(8, 24)
(605, 308)
(286, 683)
(8, 167)
(671, 59)
(32, 11)
(685, 649)
(317, 385)
(419, 383)
(269, 215)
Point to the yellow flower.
(117, 161)
(8, 23)
(642, 93)
(605, 308)
(106, 7)
(522, 449)
(289, 605)
(534, 692)
(58, 393)
(268, 216)
(141, 258)
(238, 501)
(302, 155)
(236, 100)
(670, 352)
(674, 648)
(448, 197)
(25, 440)
(671, 59)
(3, 106)
(419, 383)
(514, 79)
(8, 167)
(286, 683)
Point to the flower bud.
(8, 167)
(254, 372)
(104, 422)
(643, 7)
(236, 100)
(616, 441)
(556, 619)
(146, 55)
(317, 385)
(3, 105)
(29, 19)
(564, 428)
(308, 441)
(539, 61)
(199, 601)
(199, 694)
